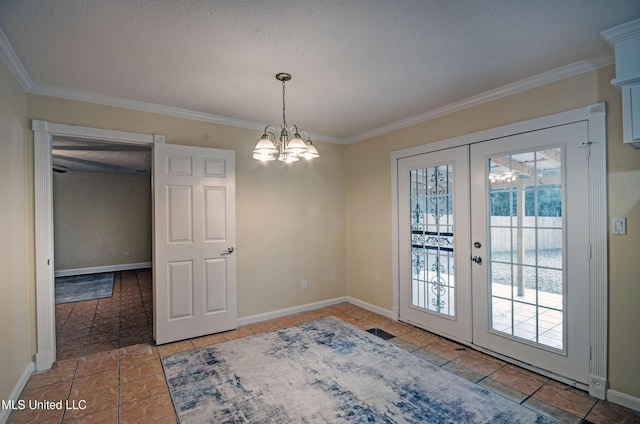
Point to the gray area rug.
(326, 371)
(83, 287)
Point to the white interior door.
(529, 197)
(194, 260)
(433, 212)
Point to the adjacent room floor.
(124, 319)
(107, 359)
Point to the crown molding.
(101, 99)
(9, 57)
(576, 68)
(621, 32)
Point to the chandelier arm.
(266, 129)
(293, 128)
(305, 132)
(272, 134)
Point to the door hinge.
(589, 251)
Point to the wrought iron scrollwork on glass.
(437, 194)
(417, 261)
(432, 238)
(417, 216)
(439, 241)
(438, 284)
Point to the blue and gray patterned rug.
(326, 371)
(75, 288)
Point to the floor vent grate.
(380, 333)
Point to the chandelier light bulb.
(311, 152)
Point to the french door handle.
(229, 251)
(477, 259)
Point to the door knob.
(477, 259)
(228, 251)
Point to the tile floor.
(122, 320)
(112, 368)
(536, 316)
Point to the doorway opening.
(100, 149)
(102, 218)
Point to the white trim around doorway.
(43, 132)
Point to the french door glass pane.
(432, 243)
(526, 246)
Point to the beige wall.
(368, 207)
(16, 263)
(290, 219)
(99, 217)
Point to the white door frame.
(43, 132)
(595, 115)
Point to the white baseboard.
(289, 311)
(372, 308)
(17, 390)
(623, 399)
(98, 269)
(311, 306)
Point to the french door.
(435, 292)
(494, 246)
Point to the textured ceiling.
(89, 156)
(357, 65)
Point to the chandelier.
(271, 147)
(502, 177)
